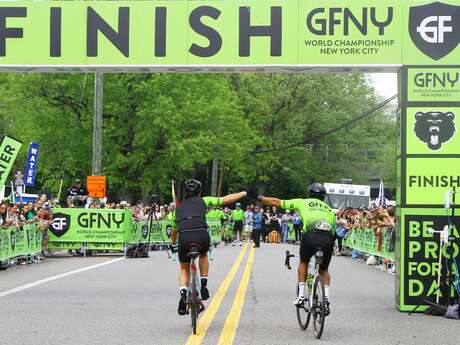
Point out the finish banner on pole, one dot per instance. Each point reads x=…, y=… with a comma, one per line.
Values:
x=9, y=149
x=31, y=165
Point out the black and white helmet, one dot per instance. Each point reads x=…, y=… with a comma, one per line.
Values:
x=192, y=188
x=316, y=191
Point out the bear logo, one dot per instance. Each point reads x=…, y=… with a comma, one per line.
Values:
x=434, y=127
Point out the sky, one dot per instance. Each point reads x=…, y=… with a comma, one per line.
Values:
x=386, y=84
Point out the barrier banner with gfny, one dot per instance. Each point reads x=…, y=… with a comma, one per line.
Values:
x=20, y=241
x=98, y=229
x=367, y=241
x=9, y=149
x=161, y=230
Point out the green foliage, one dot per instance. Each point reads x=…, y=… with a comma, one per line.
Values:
x=159, y=127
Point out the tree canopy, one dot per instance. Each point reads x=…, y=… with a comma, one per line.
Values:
x=158, y=127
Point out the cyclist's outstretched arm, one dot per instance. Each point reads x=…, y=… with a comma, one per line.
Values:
x=270, y=201
x=231, y=198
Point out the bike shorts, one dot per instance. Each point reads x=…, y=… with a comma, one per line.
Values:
x=311, y=241
x=188, y=238
x=238, y=226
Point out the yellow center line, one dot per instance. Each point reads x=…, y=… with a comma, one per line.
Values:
x=231, y=324
x=205, y=321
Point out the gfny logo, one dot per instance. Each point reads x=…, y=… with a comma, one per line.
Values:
x=435, y=28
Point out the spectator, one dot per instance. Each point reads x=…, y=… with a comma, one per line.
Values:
x=248, y=222
x=266, y=224
x=297, y=224
x=238, y=219
x=257, y=226
x=286, y=219
x=76, y=195
x=274, y=220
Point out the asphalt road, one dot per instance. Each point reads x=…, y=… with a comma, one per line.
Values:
x=108, y=300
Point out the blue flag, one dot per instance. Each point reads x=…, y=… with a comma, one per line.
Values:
x=31, y=165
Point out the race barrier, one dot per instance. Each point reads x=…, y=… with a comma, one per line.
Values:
x=366, y=241
x=161, y=231
x=106, y=229
x=20, y=241
x=94, y=229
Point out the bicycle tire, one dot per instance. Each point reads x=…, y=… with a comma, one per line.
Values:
x=193, y=301
x=303, y=313
x=318, y=306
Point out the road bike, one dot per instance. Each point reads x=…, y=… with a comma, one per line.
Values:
x=194, y=302
x=315, y=305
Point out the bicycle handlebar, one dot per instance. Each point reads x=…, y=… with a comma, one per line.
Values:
x=287, y=261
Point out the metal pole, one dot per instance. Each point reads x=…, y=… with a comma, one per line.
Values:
x=215, y=168
x=97, y=127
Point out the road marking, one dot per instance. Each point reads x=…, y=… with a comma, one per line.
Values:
x=205, y=321
x=231, y=324
x=59, y=276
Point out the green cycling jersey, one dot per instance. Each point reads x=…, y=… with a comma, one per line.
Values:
x=238, y=215
x=311, y=211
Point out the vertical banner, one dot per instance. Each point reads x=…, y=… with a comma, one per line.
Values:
x=31, y=165
x=428, y=165
x=9, y=149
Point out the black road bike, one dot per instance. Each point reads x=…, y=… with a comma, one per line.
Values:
x=315, y=305
x=194, y=302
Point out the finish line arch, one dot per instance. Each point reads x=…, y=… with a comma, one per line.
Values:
x=417, y=39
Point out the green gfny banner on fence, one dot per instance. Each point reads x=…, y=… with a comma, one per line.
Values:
x=367, y=241
x=102, y=229
x=20, y=241
x=161, y=231
x=173, y=35
x=9, y=149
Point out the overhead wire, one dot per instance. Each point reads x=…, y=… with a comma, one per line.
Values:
x=332, y=131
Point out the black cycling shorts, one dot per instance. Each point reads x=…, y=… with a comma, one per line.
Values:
x=238, y=226
x=314, y=239
x=188, y=238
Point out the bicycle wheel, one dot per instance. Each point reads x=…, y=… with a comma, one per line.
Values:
x=193, y=301
x=303, y=313
x=318, y=306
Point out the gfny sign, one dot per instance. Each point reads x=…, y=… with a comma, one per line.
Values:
x=272, y=32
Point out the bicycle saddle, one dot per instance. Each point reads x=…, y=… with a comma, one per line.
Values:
x=319, y=253
x=193, y=250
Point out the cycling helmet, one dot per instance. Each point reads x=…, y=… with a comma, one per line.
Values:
x=316, y=191
x=192, y=188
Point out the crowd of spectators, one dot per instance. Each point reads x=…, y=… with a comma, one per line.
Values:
x=380, y=219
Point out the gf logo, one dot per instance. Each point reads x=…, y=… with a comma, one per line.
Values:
x=59, y=223
x=434, y=34
x=435, y=28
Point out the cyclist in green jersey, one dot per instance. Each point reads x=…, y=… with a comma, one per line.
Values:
x=238, y=220
x=318, y=232
x=190, y=228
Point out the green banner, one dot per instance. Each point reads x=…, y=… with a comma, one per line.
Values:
x=99, y=228
x=161, y=231
x=20, y=241
x=367, y=241
x=9, y=149
x=197, y=35
x=420, y=252
x=433, y=85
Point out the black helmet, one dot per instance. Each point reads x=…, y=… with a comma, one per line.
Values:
x=316, y=191
x=192, y=188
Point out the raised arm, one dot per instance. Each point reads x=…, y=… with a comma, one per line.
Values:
x=231, y=198
x=269, y=201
